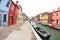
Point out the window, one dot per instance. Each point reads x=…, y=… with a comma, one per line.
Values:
x=0, y=1
x=8, y=4
x=52, y=14
x=11, y=18
x=56, y=14
x=12, y=7
x=4, y=18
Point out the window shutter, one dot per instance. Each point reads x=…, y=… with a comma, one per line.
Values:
x=8, y=4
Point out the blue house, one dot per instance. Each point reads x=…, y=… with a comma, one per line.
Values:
x=4, y=10
x=24, y=17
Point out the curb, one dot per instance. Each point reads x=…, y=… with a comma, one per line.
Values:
x=36, y=35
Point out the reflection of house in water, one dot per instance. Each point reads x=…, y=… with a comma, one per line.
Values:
x=4, y=10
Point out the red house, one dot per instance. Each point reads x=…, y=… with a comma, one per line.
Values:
x=12, y=16
x=56, y=19
x=39, y=18
x=50, y=19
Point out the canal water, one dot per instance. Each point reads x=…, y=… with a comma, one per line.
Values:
x=55, y=34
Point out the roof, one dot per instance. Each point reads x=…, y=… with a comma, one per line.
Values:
x=20, y=7
x=55, y=11
x=15, y=4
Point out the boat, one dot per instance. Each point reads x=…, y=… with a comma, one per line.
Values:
x=42, y=33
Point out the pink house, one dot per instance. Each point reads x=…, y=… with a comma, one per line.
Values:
x=56, y=19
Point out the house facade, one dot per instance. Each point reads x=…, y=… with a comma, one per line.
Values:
x=56, y=19
x=24, y=17
x=4, y=10
x=32, y=19
x=27, y=18
x=37, y=18
x=19, y=16
x=12, y=16
x=44, y=19
x=40, y=17
x=38, y=21
x=50, y=19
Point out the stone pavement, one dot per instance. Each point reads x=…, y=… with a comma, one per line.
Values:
x=25, y=33
x=5, y=31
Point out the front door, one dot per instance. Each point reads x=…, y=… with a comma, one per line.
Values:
x=57, y=21
x=11, y=19
x=5, y=20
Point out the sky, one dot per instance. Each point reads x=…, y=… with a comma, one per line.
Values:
x=35, y=7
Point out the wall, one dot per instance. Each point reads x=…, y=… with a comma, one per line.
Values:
x=5, y=10
x=44, y=19
x=55, y=17
x=19, y=19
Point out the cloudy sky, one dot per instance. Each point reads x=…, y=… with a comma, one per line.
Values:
x=34, y=7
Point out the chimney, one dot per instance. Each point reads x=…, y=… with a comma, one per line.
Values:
x=53, y=10
x=17, y=2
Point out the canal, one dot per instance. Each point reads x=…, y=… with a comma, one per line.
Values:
x=55, y=34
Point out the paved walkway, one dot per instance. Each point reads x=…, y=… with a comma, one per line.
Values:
x=24, y=33
x=4, y=32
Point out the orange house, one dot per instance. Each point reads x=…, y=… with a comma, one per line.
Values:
x=19, y=16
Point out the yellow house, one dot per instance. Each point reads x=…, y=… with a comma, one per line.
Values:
x=19, y=16
x=27, y=18
x=44, y=19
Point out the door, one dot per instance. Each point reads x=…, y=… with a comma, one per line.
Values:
x=57, y=21
x=5, y=20
x=11, y=19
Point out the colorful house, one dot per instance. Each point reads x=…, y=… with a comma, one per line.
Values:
x=44, y=19
x=56, y=19
x=37, y=18
x=19, y=16
x=24, y=17
x=50, y=19
x=27, y=18
x=12, y=16
x=40, y=17
x=4, y=10
x=32, y=19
